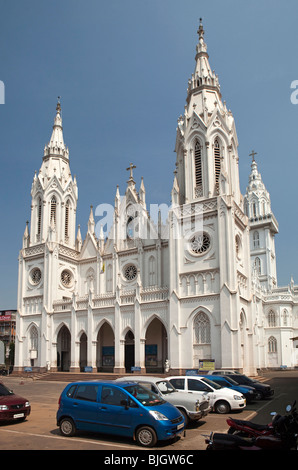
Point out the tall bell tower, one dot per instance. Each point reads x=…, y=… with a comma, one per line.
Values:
x=54, y=193
x=47, y=267
x=209, y=241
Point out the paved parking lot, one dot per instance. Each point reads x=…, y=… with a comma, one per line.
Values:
x=40, y=432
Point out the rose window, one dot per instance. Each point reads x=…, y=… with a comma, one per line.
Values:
x=200, y=243
x=66, y=278
x=35, y=276
x=130, y=272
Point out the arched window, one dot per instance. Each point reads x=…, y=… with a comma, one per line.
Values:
x=109, y=278
x=66, y=232
x=256, y=239
x=216, y=161
x=254, y=209
x=271, y=318
x=33, y=339
x=152, y=271
x=272, y=345
x=202, y=334
x=257, y=265
x=285, y=317
x=39, y=208
x=198, y=169
x=53, y=210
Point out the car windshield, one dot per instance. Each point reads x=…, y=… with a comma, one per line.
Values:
x=165, y=387
x=5, y=391
x=211, y=383
x=231, y=381
x=144, y=396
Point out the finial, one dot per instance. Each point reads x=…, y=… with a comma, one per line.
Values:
x=201, y=47
x=58, y=107
x=201, y=29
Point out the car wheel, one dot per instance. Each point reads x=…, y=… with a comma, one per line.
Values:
x=222, y=407
x=186, y=418
x=146, y=436
x=67, y=427
x=259, y=396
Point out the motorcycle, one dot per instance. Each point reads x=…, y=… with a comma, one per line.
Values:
x=249, y=429
x=283, y=437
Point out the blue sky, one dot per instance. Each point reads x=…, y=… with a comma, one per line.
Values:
x=121, y=68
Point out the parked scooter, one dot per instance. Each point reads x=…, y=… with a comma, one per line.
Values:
x=283, y=437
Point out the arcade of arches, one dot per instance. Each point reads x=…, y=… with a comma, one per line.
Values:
x=155, y=344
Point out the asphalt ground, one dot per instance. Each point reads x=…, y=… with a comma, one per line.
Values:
x=39, y=432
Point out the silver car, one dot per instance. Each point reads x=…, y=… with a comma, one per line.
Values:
x=193, y=406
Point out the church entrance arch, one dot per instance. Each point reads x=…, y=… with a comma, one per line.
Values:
x=63, y=349
x=129, y=361
x=156, y=347
x=105, y=352
x=83, y=351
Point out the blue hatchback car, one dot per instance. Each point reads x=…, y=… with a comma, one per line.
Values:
x=119, y=408
x=227, y=381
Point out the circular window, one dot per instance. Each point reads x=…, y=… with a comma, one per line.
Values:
x=130, y=272
x=200, y=243
x=35, y=276
x=66, y=278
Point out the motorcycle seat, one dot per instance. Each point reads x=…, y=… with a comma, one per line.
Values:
x=258, y=427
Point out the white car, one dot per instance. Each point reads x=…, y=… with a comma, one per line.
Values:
x=192, y=406
x=222, y=372
x=222, y=399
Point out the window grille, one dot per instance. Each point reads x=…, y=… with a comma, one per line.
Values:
x=39, y=219
x=216, y=161
x=33, y=338
x=67, y=222
x=271, y=318
x=53, y=210
x=202, y=334
x=152, y=276
x=198, y=164
x=258, y=265
x=272, y=345
x=256, y=240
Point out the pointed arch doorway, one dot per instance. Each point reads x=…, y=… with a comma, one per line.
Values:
x=63, y=349
x=83, y=351
x=105, y=352
x=156, y=347
x=129, y=361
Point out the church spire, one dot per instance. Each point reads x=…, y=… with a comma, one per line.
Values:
x=56, y=145
x=203, y=77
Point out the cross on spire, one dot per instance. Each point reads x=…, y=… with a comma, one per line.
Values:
x=252, y=154
x=131, y=167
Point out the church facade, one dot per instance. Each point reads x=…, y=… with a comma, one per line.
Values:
x=158, y=295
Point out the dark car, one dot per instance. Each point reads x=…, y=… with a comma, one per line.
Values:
x=12, y=407
x=227, y=381
x=262, y=390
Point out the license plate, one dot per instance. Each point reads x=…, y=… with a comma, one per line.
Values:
x=180, y=426
x=19, y=415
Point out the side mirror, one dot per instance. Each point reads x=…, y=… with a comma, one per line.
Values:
x=124, y=403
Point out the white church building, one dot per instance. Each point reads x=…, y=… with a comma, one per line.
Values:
x=200, y=287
